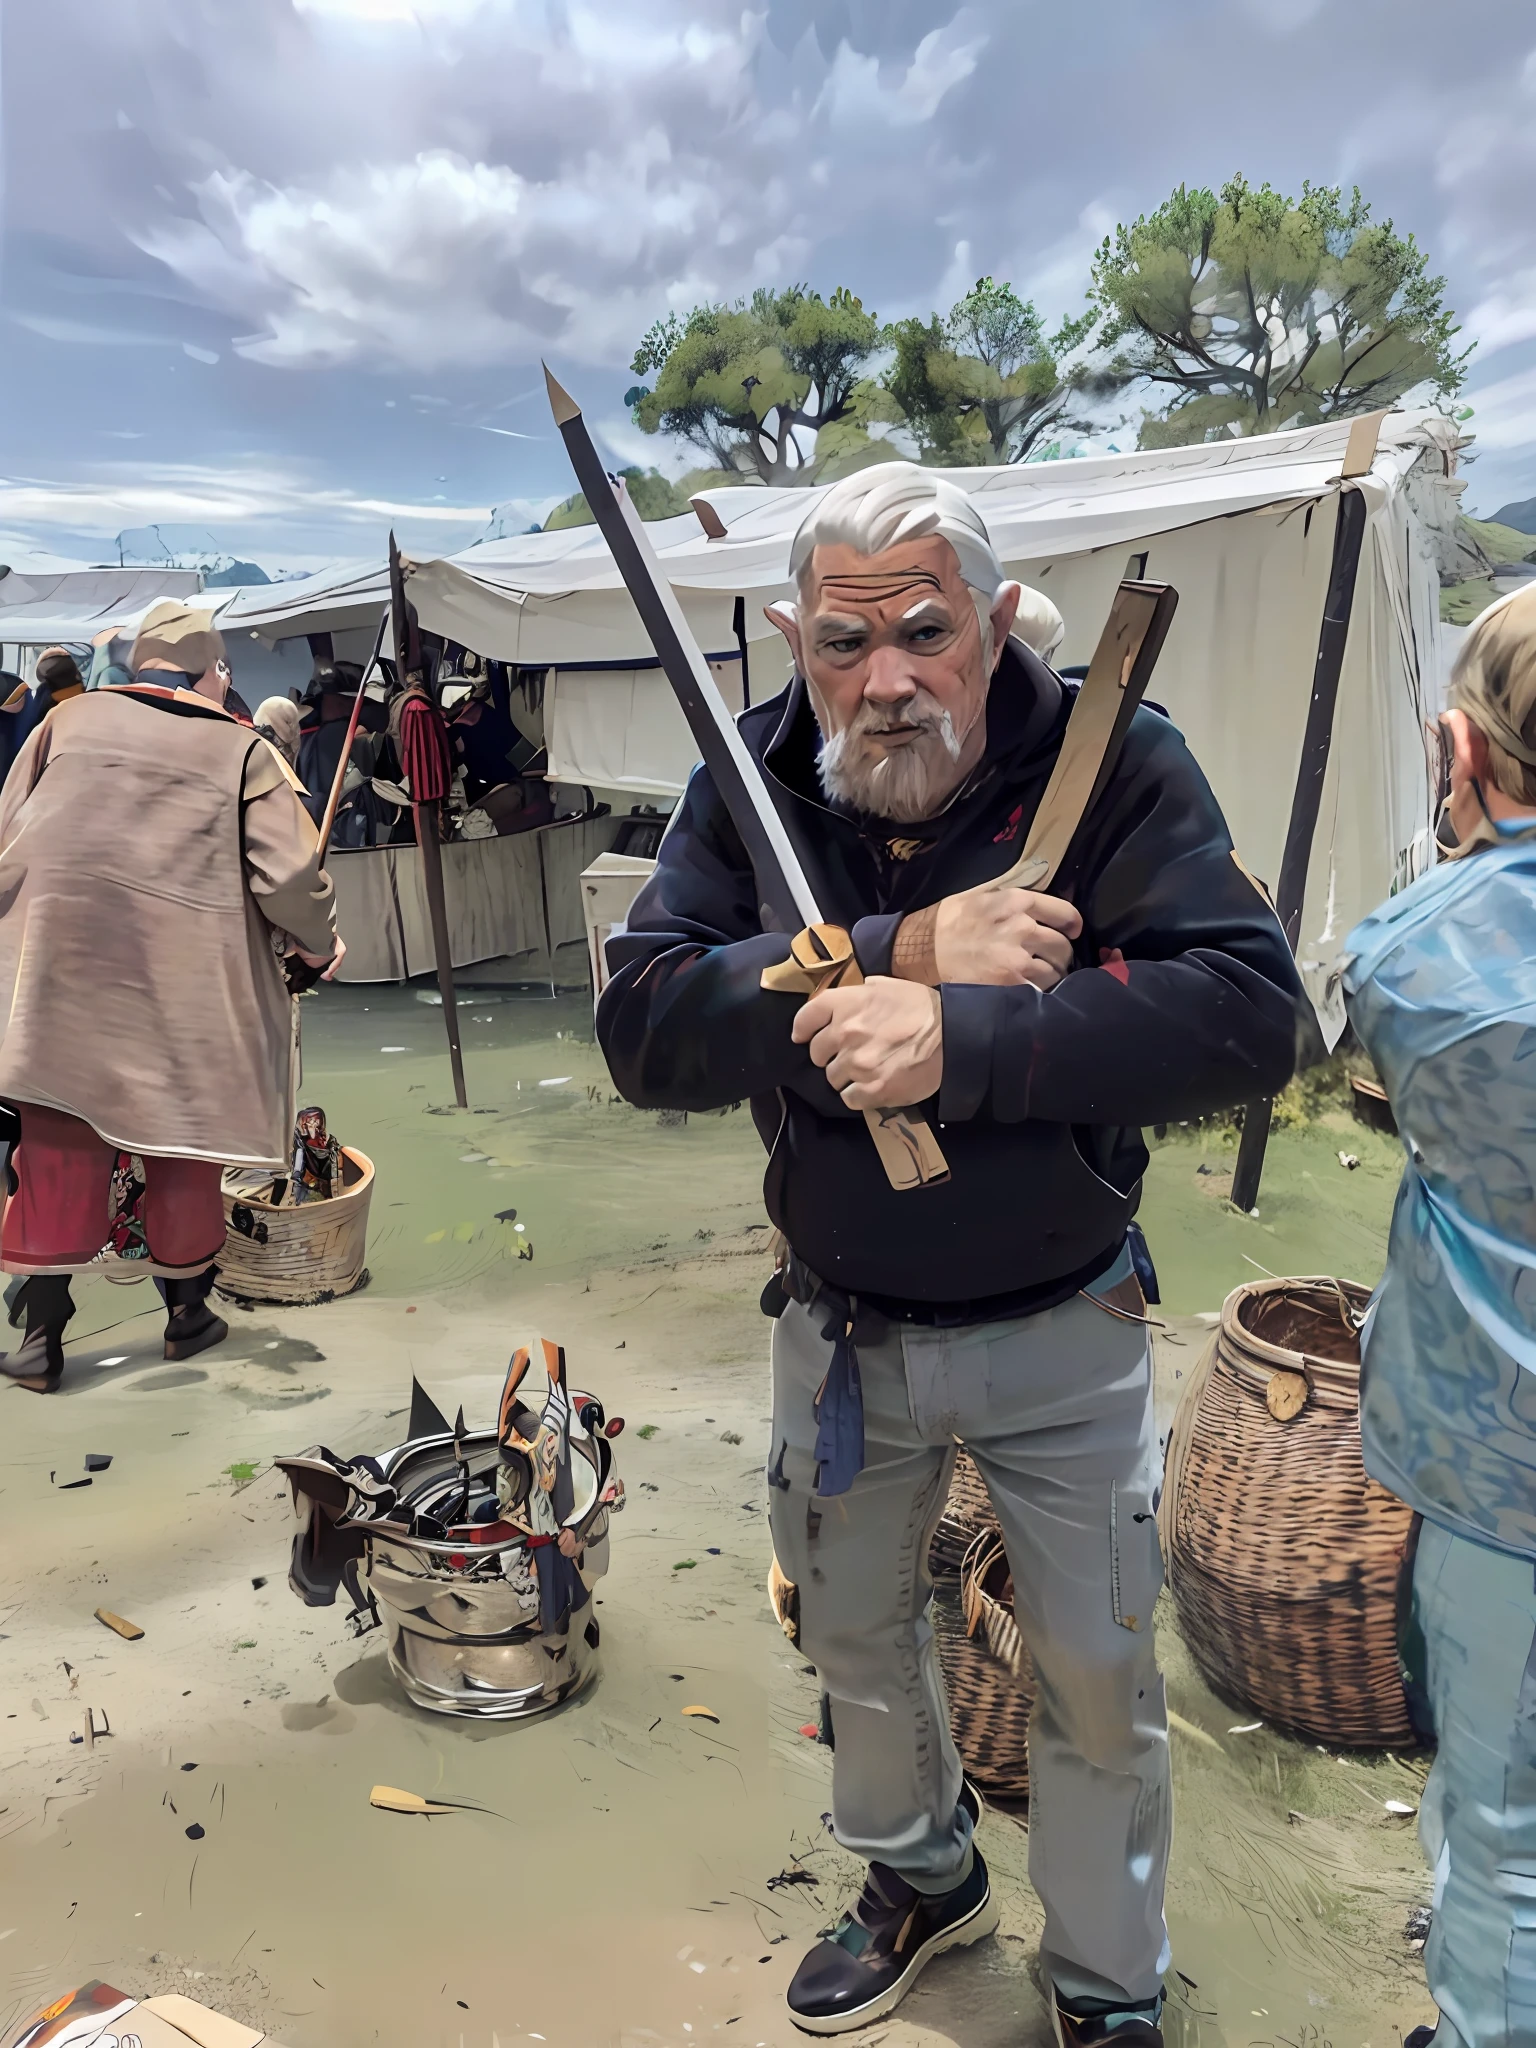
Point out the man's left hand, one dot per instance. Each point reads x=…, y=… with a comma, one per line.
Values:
x=881, y=1045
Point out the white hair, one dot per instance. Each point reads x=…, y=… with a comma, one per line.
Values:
x=895, y=501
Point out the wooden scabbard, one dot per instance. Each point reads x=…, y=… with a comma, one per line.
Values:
x=1116, y=681
x=821, y=957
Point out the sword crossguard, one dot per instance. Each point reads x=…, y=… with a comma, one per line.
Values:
x=821, y=956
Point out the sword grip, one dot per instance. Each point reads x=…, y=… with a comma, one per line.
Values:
x=822, y=957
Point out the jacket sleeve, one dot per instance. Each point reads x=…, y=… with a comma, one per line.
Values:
x=282, y=856
x=1187, y=1000
x=683, y=1023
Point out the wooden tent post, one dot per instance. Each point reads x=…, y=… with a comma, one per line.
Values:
x=1348, y=534
x=410, y=671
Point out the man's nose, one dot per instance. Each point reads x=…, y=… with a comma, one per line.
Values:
x=888, y=677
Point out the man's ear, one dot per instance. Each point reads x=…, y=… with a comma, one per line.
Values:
x=785, y=615
x=1005, y=609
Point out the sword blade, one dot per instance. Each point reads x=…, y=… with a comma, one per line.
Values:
x=789, y=902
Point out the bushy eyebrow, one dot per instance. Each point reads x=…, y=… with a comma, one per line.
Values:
x=829, y=626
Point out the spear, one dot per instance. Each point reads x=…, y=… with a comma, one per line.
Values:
x=409, y=668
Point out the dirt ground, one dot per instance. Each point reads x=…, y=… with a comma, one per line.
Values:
x=618, y=1886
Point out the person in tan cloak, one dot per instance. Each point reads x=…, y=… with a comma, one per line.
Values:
x=157, y=868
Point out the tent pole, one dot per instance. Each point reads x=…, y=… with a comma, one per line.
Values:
x=549, y=937
x=739, y=628
x=1348, y=534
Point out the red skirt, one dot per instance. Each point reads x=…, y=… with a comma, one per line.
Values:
x=59, y=1217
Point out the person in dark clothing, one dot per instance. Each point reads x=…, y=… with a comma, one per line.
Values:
x=22, y=710
x=332, y=689
x=1002, y=1309
x=361, y=817
x=58, y=678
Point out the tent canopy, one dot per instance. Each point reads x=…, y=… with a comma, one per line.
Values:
x=53, y=602
x=547, y=599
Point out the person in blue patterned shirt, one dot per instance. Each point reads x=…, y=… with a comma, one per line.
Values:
x=1441, y=988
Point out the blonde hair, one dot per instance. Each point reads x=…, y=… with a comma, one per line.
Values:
x=1494, y=683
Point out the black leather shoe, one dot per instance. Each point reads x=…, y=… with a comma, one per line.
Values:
x=1420, y=2037
x=38, y=1365
x=1134, y=2026
x=863, y=1967
x=193, y=1329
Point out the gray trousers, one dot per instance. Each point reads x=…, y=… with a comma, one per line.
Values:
x=1056, y=1409
x=1477, y=1608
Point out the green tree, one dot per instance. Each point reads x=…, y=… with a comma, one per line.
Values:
x=652, y=495
x=751, y=384
x=984, y=384
x=1255, y=312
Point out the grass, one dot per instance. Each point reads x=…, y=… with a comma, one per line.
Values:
x=1460, y=603
x=1316, y=1215
x=1500, y=543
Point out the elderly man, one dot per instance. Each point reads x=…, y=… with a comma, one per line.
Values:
x=156, y=865
x=1001, y=1309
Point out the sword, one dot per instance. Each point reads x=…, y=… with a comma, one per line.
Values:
x=822, y=953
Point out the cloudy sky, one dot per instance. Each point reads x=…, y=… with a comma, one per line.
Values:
x=281, y=271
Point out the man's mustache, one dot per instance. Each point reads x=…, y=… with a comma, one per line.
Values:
x=871, y=722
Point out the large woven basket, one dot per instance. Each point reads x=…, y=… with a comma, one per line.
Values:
x=295, y=1255
x=967, y=1512
x=987, y=1670
x=1283, y=1556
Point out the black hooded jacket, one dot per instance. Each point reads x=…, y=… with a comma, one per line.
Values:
x=1184, y=999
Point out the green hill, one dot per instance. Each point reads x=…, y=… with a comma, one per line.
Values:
x=1501, y=543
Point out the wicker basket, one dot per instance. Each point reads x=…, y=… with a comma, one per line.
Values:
x=1283, y=1556
x=967, y=1511
x=295, y=1256
x=987, y=1670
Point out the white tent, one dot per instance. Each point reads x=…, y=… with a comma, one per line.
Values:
x=1244, y=529
x=48, y=601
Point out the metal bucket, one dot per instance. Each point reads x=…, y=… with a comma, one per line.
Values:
x=461, y=1618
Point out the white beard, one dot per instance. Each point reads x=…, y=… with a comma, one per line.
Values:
x=906, y=784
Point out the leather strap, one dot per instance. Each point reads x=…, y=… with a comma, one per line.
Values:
x=914, y=955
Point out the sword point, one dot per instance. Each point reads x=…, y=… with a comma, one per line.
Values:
x=561, y=403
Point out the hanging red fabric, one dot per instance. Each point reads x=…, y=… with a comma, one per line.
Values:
x=424, y=756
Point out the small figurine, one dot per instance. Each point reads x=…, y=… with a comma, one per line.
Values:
x=316, y=1158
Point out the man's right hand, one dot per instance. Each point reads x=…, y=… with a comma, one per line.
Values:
x=314, y=966
x=1005, y=937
